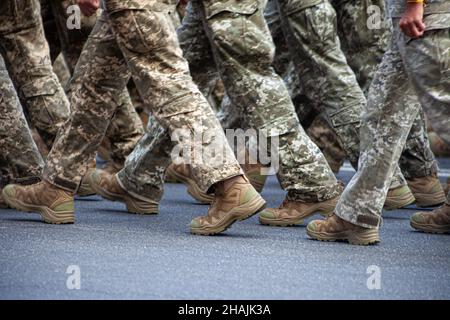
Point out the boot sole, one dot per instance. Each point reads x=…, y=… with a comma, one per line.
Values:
x=430, y=200
x=296, y=220
x=132, y=205
x=192, y=188
x=47, y=214
x=239, y=213
x=399, y=202
x=369, y=237
x=430, y=228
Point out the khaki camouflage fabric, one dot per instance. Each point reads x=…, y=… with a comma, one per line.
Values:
x=26, y=54
x=323, y=59
x=424, y=62
x=126, y=127
x=364, y=30
x=135, y=38
x=20, y=160
x=230, y=40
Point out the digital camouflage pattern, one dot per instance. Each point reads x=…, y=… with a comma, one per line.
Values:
x=20, y=160
x=386, y=123
x=134, y=38
x=26, y=54
x=234, y=37
x=364, y=30
x=126, y=127
x=363, y=48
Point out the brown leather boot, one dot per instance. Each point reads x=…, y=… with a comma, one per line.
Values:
x=292, y=213
x=55, y=205
x=85, y=189
x=436, y=221
x=183, y=173
x=427, y=191
x=398, y=198
x=336, y=229
x=234, y=200
x=107, y=186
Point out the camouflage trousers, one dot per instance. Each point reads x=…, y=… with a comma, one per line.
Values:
x=126, y=128
x=26, y=54
x=364, y=39
x=322, y=62
x=230, y=40
x=386, y=123
x=20, y=161
x=134, y=38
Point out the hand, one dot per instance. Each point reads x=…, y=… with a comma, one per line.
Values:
x=88, y=7
x=412, y=21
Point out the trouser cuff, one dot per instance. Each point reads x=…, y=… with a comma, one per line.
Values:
x=62, y=183
x=368, y=221
x=323, y=194
x=139, y=190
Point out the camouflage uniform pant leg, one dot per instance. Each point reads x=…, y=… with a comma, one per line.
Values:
x=162, y=77
x=101, y=73
x=26, y=54
x=311, y=34
x=126, y=128
x=385, y=127
x=124, y=131
x=144, y=169
x=365, y=30
x=243, y=51
x=427, y=61
x=20, y=160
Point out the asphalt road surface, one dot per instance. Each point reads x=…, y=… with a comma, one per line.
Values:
x=116, y=255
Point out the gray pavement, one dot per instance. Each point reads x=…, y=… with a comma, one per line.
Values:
x=125, y=256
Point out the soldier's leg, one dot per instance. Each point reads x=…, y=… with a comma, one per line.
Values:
x=243, y=51
x=20, y=160
x=385, y=127
x=162, y=77
x=101, y=73
x=26, y=54
x=311, y=34
x=365, y=29
x=125, y=129
x=427, y=61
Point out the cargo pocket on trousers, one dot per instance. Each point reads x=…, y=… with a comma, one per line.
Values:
x=237, y=28
x=142, y=30
x=37, y=109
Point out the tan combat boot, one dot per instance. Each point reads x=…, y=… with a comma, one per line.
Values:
x=292, y=213
x=55, y=205
x=107, y=186
x=183, y=173
x=336, y=229
x=85, y=189
x=427, y=191
x=398, y=198
x=234, y=200
x=436, y=221
x=253, y=173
